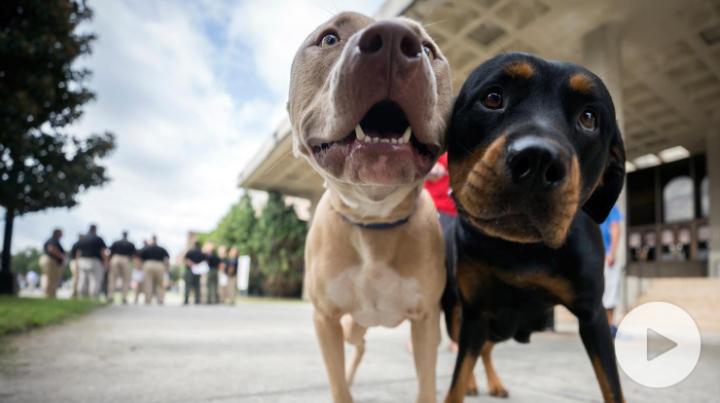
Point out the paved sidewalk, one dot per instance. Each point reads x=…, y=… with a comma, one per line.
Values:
x=266, y=352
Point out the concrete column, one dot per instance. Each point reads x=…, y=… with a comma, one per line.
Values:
x=602, y=56
x=713, y=172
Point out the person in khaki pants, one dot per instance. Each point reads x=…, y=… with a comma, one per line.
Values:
x=91, y=262
x=121, y=253
x=74, y=266
x=155, y=262
x=51, y=263
x=231, y=270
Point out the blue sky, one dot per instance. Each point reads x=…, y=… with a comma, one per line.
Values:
x=191, y=88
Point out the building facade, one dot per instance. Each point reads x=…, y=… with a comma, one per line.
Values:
x=661, y=61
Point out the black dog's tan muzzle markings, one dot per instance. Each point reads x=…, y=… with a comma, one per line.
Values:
x=490, y=178
x=536, y=161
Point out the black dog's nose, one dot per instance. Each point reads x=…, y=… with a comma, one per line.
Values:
x=391, y=37
x=536, y=164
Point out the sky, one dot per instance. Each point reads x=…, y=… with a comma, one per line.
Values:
x=191, y=89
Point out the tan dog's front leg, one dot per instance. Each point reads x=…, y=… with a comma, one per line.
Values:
x=330, y=336
x=425, y=340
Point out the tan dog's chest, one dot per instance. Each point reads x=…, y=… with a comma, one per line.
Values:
x=380, y=277
x=376, y=295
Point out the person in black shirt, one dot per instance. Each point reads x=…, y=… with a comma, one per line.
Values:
x=193, y=257
x=121, y=253
x=51, y=263
x=92, y=260
x=74, y=267
x=231, y=270
x=213, y=262
x=155, y=263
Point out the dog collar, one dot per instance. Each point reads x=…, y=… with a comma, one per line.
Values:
x=379, y=225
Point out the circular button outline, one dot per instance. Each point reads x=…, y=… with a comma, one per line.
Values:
x=668, y=368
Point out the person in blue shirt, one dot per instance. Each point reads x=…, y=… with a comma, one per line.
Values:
x=610, y=230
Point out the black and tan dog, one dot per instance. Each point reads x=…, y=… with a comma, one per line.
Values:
x=536, y=161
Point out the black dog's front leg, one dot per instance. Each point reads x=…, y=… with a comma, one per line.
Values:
x=595, y=334
x=473, y=333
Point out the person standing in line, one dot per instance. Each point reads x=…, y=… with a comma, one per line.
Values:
x=138, y=274
x=437, y=183
x=213, y=262
x=155, y=262
x=121, y=254
x=222, y=276
x=231, y=270
x=610, y=230
x=51, y=263
x=74, y=273
x=31, y=280
x=193, y=257
x=92, y=260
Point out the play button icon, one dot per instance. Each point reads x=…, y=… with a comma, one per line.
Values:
x=657, y=344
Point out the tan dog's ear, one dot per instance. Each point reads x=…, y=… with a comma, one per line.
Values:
x=296, y=146
x=605, y=195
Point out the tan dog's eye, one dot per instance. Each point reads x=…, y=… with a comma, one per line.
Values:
x=588, y=120
x=428, y=51
x=493, y=100
x=328, y=40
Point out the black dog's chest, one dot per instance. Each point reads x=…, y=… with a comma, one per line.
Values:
x=515, y=303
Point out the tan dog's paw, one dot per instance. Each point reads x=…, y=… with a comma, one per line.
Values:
x=472, y=391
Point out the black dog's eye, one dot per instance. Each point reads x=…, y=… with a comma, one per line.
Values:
x=588, y=120
x=329, y=39
x=493, y=100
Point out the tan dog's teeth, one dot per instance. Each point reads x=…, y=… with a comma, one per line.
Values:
x=359, y=133
x=393, y=141
x=384, y=140
x=406, y=136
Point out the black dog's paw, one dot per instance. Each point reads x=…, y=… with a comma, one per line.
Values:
x=499, y=391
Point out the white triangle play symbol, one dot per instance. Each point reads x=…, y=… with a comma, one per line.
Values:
x=657, y=344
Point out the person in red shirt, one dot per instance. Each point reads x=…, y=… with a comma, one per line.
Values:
x=438, y=185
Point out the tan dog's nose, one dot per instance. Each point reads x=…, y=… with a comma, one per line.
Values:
x=391, y=41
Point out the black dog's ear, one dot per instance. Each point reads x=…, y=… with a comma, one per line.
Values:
x=605, y=195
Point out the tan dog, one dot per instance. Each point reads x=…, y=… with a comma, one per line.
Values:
x=369, y=103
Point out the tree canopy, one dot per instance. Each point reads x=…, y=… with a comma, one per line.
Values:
x=275, y=241
x=43, y=88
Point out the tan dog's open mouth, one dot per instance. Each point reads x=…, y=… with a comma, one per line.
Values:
x=382, y=147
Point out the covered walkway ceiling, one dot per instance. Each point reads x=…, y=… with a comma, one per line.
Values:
x=670, y=56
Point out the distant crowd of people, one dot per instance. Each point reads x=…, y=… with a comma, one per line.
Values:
x=212, y=262
x=96, y=269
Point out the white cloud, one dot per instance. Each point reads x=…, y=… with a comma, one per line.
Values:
x=167, y=86
x=277, y=28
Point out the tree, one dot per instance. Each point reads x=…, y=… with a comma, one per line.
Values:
x=42, y=91
x=275, y=241
x=279, y=242
x=26, y=260
x=236, y=227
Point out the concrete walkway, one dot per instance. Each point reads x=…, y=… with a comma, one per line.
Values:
x=266, y=352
